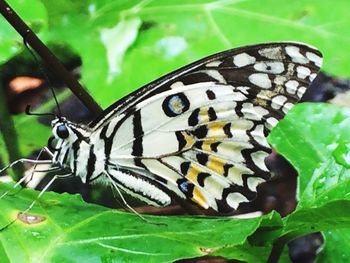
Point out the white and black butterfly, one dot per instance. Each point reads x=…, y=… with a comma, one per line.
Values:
x=198, y=133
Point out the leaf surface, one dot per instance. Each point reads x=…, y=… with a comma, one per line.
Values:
x=74, y=230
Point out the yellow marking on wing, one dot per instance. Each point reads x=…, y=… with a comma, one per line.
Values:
x=216, y=164
x=216, y=125
x=192, y=173
x=189, y=140
x=203, y=115
x=259, y=101
x=216, y=129
x=266, y=94
x=206, y=146
x=203, y=112
x=199, y=198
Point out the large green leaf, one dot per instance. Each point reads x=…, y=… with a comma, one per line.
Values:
x=315, y=138
x=34, y=13
x=336, y=247
x=174, y=33
x=71, y=230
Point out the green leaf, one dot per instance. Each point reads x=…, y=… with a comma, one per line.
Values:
x=310, y=137
x=336, y=248
x=117, y=40
x=250, y=253
x=333, y=215
x=258, y=246
x=200, y=28
x=315, y=138
x=246, y=253
x=71, y=229
x=34, y=13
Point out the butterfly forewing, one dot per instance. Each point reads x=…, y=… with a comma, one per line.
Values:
x=200, y=132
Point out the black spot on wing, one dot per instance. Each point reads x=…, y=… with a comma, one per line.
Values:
x=194, y=118
x=201, y=177
x=184, y=167
x=210, y=94
x=238, y=109
x=186, y=187
x=214, y=146
x=76, y=148
x=212, y=114
x=137, y=147
x=227, y=130
x=227, y=168
x=202, y=158
x=91, y=164
x=201, y=132
x=198, y=144
x=181, y=140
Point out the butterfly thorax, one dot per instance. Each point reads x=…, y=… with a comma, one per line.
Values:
x=74, y=149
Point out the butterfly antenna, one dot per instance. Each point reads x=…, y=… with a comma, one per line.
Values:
x=42, y=70
x=28, y=112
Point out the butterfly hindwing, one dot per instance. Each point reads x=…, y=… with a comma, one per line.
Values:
x=201, y=131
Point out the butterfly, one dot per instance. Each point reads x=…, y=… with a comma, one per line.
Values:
x=197, y=134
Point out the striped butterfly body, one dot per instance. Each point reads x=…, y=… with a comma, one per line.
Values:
x=198, y=133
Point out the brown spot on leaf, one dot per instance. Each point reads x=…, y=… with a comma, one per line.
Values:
x=30, y=219
x=207, y=250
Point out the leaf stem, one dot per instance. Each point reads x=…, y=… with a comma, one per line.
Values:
x=31, y=38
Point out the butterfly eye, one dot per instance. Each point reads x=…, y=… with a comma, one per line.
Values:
x=62, y=131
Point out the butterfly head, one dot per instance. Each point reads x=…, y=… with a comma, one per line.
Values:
x=61, y=129
x=66, y=132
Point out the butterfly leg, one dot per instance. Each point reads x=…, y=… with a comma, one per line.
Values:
x=24, y=160
x=38, y=197
x=29, y=176
x=36, y=161
x=46, y=187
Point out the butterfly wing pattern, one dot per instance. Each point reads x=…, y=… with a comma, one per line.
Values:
x=199, y=133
